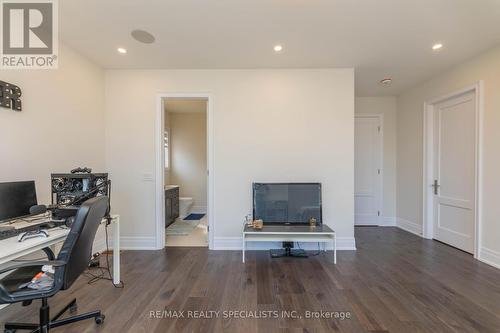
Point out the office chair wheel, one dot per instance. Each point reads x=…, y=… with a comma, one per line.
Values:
x=100, y=319
x=73, y=308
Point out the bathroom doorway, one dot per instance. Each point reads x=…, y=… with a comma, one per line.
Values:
x=185, y=167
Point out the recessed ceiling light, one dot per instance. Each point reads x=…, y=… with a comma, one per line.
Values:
x=387, y=81
x=437, y=46
x=278, y=48
x=143, y=36
x=121, y=50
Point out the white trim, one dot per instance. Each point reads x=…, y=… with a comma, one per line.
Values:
x=198, y=210
x=235, y=244
x=227, y=243
x=138, y=243
x=346, y=243
x=428, y=140
x=489, y=257
x=388, y=221
x=160, y=172
x=409, y=226
x=380, y=117
x=100, y=243
x=160, y=175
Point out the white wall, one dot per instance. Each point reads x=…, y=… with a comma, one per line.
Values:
x=410, y=148
x=281, y=125
x=61, y=125
x=385, y=106
x=188, y=146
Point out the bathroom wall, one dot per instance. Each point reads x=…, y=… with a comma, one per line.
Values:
x=188, y=153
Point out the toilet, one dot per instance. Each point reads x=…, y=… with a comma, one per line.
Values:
x=185, y=204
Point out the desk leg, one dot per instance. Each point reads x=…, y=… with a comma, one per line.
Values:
x=243, y=249
x=334, y=249
x=116, y=251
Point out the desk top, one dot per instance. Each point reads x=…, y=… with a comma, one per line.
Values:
x=11, y=249
x=280, y=229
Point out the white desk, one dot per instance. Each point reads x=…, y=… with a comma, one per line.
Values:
x=11, y=249
x=289, y=233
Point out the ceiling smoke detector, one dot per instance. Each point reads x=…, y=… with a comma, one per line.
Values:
x=385, y=82
x=142, y=36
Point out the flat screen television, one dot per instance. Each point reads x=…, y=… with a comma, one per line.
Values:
x=16, y=198
x=287, y=203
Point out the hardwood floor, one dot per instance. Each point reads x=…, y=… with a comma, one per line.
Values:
x=395, y=282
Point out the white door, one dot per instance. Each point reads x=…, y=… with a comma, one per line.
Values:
x=367, y=170
x=454, y=171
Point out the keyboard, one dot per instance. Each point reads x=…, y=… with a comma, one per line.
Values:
x=17, y=227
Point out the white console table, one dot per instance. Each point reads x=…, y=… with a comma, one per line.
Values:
x=290, y=233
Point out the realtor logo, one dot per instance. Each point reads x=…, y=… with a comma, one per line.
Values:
x=29, y=34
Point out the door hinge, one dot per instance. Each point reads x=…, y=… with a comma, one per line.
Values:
x=378, y=171
x=378, y=128
x=378, y=213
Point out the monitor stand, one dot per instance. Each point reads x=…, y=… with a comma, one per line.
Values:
x=288, y=251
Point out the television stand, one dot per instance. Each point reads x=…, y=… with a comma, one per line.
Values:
x=290, y=233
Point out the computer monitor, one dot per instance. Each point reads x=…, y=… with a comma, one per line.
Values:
x=16, y=198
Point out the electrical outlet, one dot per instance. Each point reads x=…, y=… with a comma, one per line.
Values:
x=147, y=177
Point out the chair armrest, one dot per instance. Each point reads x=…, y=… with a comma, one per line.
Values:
x=32, y=263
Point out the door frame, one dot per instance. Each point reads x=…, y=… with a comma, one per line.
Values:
x=428, y=161
x=160, y=165
x=380, y=117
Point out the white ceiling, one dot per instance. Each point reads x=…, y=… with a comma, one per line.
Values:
x=380, y=38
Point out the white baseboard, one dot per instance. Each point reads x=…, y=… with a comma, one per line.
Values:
x=227, y=243
x=100, y=240
x=99, y=245
x=235, y=243
x=199, y=209
x=489, y=257
x=137, y=243
x=346, y=244
x=409, y=226
x=387, y=221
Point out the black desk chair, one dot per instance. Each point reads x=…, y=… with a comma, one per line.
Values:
x=71, y=261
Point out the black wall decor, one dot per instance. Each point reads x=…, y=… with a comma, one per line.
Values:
x=10, y=96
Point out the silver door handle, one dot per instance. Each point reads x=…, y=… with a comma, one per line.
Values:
x=435, y=185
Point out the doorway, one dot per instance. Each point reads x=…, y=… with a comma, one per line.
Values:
x=451, y=180
x=184, y=158
x=368, y=157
